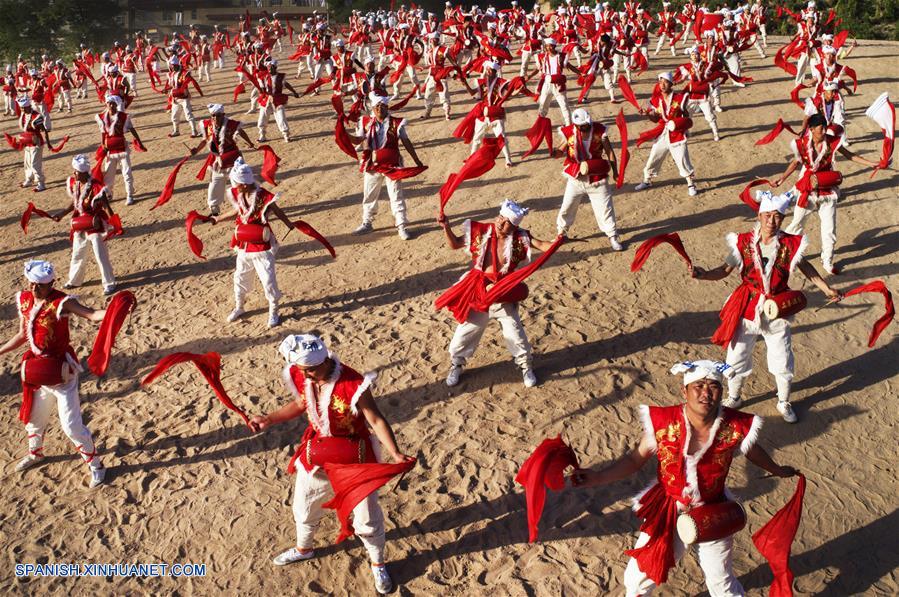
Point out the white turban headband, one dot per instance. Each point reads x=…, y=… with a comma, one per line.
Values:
x=305, y=350
x=110, y=98
x=768, y=201
x=241, y=173
x=580, y=117
x=513, y=212
x=376, y=99
x=80, y=163
x=39, y=272
x=23, y=102
x=215, y=109
x=831, y=86
x=666, y=75
x=704, y=369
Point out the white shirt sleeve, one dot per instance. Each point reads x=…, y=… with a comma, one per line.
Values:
x=401, y=130
x=810, y=109
x=794, y=145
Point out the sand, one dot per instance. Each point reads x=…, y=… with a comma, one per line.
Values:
x=189, y=483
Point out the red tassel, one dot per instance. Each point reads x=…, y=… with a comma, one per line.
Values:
x=13, y=142
x=627, y=92
x=542, y=130
x=30, y=211
x=121, y=304
x=342, y=138
x=588, y=83
x=851, y=74
x=196, y=245
x=239, y=90
x=169, y=187
x=475, y=165
x=209, y=365
x=746, y=197
x=625, y=154
x=651, y=135
x=337, y=104
x=309, y=231
x=781, y=61
x=646, y=247
x=543, y=469
x=270, y=163
x=840, y=38
x=353, y=483
x=890, y=310
x=775, y=539
x=731, y=314
x=115, y=224
x=779, y=127
x=59, y=147
x=794, y=97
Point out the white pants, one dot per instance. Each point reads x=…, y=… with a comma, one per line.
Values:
x=65, y=100
x=80, y=241
x=183, y=105
x=779, y=344
x=678, y=152
x=662, y=39
x=600, y=197
x=431, y=91
x=263, y=262
x=33, y=160
x=715, y=559
x=69, y=407
x=203, y=72
x=327, y=65
x=764, y=33
x=219, y=63
x=468, y=335
x=312, y=490
x=616, y=64
x=371, y=191
x=705, y=107
x=215, y=192
x=482, y=126
x=525, y=57
x=732, y=61
x=561, y=100
x=801, y=65
x=827, y=213
x=9, y=104
x=413, y=78
x=116, y=161
x=606, y=82
x=132, y=83
x=280, y=120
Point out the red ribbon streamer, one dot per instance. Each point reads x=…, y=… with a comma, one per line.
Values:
x=121, y=304
x=890, y=310
x=169, y=187
x=544, y=469
x=116, y=229
x=646, y=247
x=59, y=147
x=627, y=92
x=775, y=539
x=475, y=165
x=777, y=130
x=30, y=211
x=342, y=138
x=746, y=196
x=311, y=232
x=542, y=130
x=625, y=154
x=196, y=245
x=209, y=365
x=270, y=163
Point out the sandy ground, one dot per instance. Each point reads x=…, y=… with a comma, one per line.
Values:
x=189, y=483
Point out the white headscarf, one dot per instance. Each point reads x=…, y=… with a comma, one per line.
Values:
x=39, y=272
x=241, y=173
x=768, y=201
x=80, y=163
x=704, y=369
x=305, y=350
x=513, y=212
x=111, y=98
x=215, y=109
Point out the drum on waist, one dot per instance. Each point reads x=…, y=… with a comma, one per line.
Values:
x=83, y=223
x=45, y=371
x=710, y=522
x=338, y=450
x=253, y=233
x=784, y=304
x=598, y=167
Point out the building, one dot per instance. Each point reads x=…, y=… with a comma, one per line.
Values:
x=159, y=18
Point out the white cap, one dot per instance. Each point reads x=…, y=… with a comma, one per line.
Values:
x=704, y=369
x=580, y=117
x=305, y=350
x=666, y=75
x=377, y=99
x=831, y=85
x=494, y=65
x=114, y=99
x=215, y=109
x=513, y=212
x=80, y=163
x=23, y=102
x=39, y=272
x=768, y=201
x=241, y=173
x=828, y=50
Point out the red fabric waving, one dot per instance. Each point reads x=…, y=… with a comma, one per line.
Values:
x=352, y=483
x=627, y=92
x=775, y=539
x=270, y=161
x=777, y=130
x=241, y=88
x=138, y=146
x=311, y=232
x=625, y=154
x=402, y=103
x=59, y=146
x=513, y=279
x=315, y=85
x=13, y=142
x=475, y=165
x=169, y=187
x=651, y=134
x=646, y=247
x=115, y=227
x=890, y=310
x=731, y=315
x=465, y=129
x=585, y=86
x=656, y=557
x=31, y=210
x=342, y=138
x=794, y=97
x=746, y=196
x=542, y=130
x=394, y=173
x=544, y=469
x=196, y=245
x=209, y=365
x=121, y=304
x=337, y=104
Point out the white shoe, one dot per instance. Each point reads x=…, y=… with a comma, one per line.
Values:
x=403, y=233
x=530, y=380
x=642, y=186
x=383, y=582
x=786, y=411
x=452, y=378
x=30, y=461
x=718, y=109
x=273, y=319
x=691, y=190
x=129, y=201
x=716, y=137
x=98, y=475
x=616, y=244
x=731, y=402
x=363, y=228
x=235, y=315
x=292, y=555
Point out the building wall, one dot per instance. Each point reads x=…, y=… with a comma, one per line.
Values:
x=166, y=17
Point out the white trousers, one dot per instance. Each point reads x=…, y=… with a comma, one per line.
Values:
x=280, y=119
x=617, y=64
x=184, y=106
x=327, y=65
x=732, y=61
x=561, y=100
x=218, y=182
x=312, y=490
x=801, y=65
x=679, y=154
x=704, y=106
x=600, y=197
x=715, y=559
x=33, y=161
x=119, y=161
x=525, y=57
x=132, y=83
x=65, y=100
x=827, y=213
x=431, y=91
x=468, y=335
x=80, y=241
x=662, y=39
x=263, y=263
x=779, y=345
x=413, y=78
x=371, y=191
x=482, y=126
x=65, y=396
x=9, y=104
x=219, y=63
x=203, y=72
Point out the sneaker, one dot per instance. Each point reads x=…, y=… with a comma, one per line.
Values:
x=530, y=380
x=383, y=582
x=643, y=186
x=173, y=135
x=98, y=475
x=716, y=137
x=235, y=315
x=292, y=555
x=273, y=319
x=731, y=402
x=719, y=109
x=30, y=461
x=109, y=290
x=616, y=244
x=452, y=378
x=403, y=233
x=39, y=188
x=691, y=190
x=129, y=201
x=363, y=228
x=786, y=411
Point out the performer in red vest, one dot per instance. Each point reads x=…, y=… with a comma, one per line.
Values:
x=178, y=84
x=552, y=66
x=343, y=417
x=32, y=138
x=695, y=443
x=493, y=118
x=274, y=85
x=114, y=123
x=496, y=248
x=440, y=68
x=588, y=160
x=699, y=76
x=50, y=367
x=765, y=258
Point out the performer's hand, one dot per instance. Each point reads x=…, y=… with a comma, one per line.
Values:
x=259, y=423
x=776, y=183
x=697, y=272
x=584, y=477
x=442, y=220
x=399, y=458
x=833, y=294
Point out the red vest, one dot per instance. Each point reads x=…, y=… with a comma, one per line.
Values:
x=483, y=243
x=252, y=214
x=113, y=131
x=47, y=330
x=752, y=270
x=222, y=144
x=575, y=154
x=673, y=110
